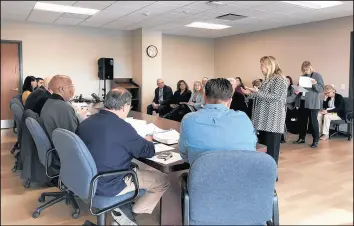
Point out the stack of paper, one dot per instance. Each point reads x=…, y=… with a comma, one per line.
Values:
x=162, y=147
x=175, y=157
x=168, y=137
x=142, y=128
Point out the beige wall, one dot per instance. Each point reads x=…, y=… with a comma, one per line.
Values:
x=186, y=58
x=73, y=51
x=326, y=44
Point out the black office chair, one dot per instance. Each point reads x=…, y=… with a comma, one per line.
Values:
x=347, y=120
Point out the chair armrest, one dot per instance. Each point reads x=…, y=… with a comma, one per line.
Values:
x=349, y=116
x=107, y=174
x=185, y=199
x=46, y=164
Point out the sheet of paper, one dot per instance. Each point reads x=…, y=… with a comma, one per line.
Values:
x=305, y=82
x=299, y=89
x=169, y=137
x=152, y=129
x=175, y=157
x=162, y=147
x=138, y=125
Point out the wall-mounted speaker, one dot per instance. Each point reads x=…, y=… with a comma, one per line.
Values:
x=105, y=68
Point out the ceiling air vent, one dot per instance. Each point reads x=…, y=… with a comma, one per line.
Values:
x=230, y=17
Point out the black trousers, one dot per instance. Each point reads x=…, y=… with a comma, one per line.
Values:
x=304, y=115
x=162, y=110
x=272, y=141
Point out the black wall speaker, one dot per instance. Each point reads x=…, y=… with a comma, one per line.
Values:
x=105, y=68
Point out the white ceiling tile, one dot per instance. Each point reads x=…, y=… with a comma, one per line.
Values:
x=189, y=11
x=173, y=15
x=169, y=26
x=158, y=8
x=43, y=16
x=94, y=4
x=131, y=4
x=203, y=5
x=61, y=2
x=74, y=15
x=211, y=14
x=68, y=21
x=19, y=8
x=249, y=4
x=177, y=3
x=12, y=16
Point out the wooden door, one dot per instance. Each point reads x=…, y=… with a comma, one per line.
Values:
x=10, y=76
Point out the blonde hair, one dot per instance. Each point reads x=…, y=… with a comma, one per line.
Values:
x=329, y=88
x=272, y=65
x=305, y=65
x=201, y=87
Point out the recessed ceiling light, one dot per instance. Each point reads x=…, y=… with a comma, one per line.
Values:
x=207, y=25
x=315, y=4
x=64, y=8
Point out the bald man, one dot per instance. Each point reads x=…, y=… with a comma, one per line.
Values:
x=56, y=112
x=37, y=98
x=163, y=94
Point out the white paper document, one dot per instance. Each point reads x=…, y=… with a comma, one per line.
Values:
x=169, y=137
x=175, y=157
x=142, y=128
x=299, y=89
x=305, y=82
x=162, y=147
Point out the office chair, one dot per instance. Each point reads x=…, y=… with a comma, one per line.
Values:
x=45, y=154
x=230, y=188
x=347, y=120
x=78, y=173
x=16, y=108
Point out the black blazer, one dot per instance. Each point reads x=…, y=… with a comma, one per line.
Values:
x=339, y=105
x=167, y=94
x=238, y=102
x=178, y=98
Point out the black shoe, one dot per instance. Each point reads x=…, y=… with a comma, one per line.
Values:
x=283, y=141
x=314, y=145
x=299, y=141
x=124, y=215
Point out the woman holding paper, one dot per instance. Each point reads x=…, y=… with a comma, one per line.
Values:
x=268, y=115
x=310, y=103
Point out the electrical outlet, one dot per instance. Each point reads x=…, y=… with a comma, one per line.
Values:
x=342, y=86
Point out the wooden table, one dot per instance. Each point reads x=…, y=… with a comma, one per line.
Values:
x=171, y=212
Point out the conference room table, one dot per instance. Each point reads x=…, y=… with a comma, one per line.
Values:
x=170, y=203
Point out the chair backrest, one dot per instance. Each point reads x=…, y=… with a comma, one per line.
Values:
x=231, y=188
x=40, y=139
x=77, y=165
x=16, y=108
x=348, y=104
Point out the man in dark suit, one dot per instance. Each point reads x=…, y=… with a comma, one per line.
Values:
x=333, y=109
x=37, y=98
x=163, y=94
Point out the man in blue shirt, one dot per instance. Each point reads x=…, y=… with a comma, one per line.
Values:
x=216, y=127
x=113, y=144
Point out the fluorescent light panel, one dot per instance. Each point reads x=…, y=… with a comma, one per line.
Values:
x=207, y=25
x=64, y=8
x=315, y=4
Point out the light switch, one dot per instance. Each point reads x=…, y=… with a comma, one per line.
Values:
x=342, y=86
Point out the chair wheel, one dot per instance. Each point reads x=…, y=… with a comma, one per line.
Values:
x=27, y=184
x=13, y=150
x=14, y=169
x=41, y=199
x=35, y=214
x=349, y=138
x=76, y=215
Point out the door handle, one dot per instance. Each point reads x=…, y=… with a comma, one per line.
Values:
x=16, y=89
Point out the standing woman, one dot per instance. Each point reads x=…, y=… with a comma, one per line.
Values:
x=310, y=105
x=268, y=115
x=29, y=85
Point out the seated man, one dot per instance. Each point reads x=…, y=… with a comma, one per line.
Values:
x=163, y=94
x=37, y=98
x=57, y=112
x=333, y=109
x=40, y=82
x=113, y=144
x=216, y=127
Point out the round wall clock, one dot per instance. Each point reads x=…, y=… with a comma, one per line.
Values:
x=151, y=51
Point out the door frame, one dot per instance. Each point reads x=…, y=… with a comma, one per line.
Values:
x=9, y=123
x=19, y=43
